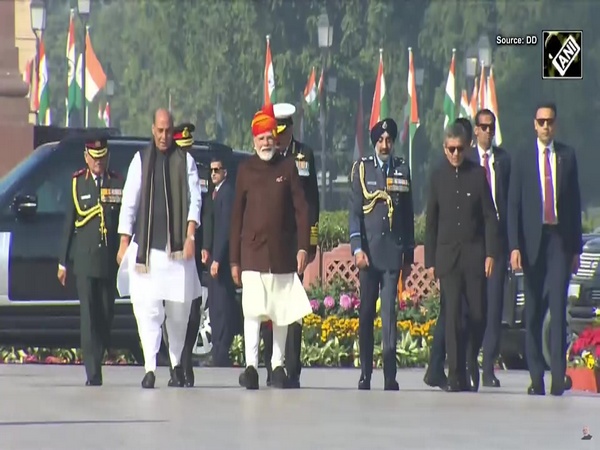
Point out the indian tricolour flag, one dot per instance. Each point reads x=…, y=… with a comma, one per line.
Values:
x=414, y=107
x=450, y=96
x=492, y=104
x=269, y=76
x=481, y=104
x=73, y=100
x=465, y=106
x=43, y=91
x=380, y=109
x=95, y=78
x=310, y=91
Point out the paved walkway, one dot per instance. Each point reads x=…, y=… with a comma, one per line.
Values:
x=47, y=408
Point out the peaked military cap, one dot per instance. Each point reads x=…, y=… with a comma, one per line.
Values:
x=284, y=113
x=385, y=125
x=182, y=134
x=96, y=143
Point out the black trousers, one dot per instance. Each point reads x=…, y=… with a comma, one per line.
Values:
x=293, y=348
x=495, y=304
x=546, y=286
x=224, y=316
x=371, y=282
x=459, y=285
x=97, y=301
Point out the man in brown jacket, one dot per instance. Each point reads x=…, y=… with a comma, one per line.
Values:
x=270, y=214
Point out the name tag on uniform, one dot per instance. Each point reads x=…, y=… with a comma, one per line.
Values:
x=203, y=185
x=86, y=197
x=108, y=195
x=303, y=169
x=397, y=184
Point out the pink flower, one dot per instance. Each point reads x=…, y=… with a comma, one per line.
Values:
x=355, y=302
x=314, y=304
x=329, y=302
x=402, y=305
x=345, y=302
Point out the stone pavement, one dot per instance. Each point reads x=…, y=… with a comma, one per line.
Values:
x=47, y=408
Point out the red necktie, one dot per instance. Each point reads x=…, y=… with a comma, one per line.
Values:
x=486, y=166
x=549, y=216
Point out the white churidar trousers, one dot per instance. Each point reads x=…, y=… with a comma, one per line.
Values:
x=280, y=298
x=252, y=340
x=167, y=289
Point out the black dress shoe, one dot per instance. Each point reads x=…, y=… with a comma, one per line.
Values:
x=490, y=381
x=177, y=378
x=456, y=386
x=149, y=380
x=293, y=383
x=93, y=382
x=249, y=378
x=473, y=378
x=391, y=385
x=536, y=389
x=279, y=378
x=189, y=378
x=438, y=380
x=364, y=383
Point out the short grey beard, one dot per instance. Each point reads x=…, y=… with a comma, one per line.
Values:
x=384, y=158
x=261, y=154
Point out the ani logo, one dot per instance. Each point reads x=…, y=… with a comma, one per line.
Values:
x=562, y=55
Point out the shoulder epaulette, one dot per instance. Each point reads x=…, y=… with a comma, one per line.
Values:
x=80, y=172
x=367, y=158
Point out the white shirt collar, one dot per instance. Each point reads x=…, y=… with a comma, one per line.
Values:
x=219, y=185
x=541, y=147
x=483, y=152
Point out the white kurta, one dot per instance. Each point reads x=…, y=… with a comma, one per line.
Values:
x=277, y=297
x=167, y=279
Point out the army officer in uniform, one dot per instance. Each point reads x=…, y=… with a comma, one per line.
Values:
x=305, y=163
x=182, y=135
x=90, y=236
x=382, y=241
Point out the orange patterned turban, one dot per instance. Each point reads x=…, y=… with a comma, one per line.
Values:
x=264, y=121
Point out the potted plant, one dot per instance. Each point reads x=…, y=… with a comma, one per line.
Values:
x=584, y=360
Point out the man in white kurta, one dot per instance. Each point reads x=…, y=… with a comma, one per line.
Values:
x=269, y=215
x=157, y=265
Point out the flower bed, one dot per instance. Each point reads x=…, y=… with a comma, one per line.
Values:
x=584, y=359
x=330, y=333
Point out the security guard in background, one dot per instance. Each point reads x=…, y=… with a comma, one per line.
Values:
x=90, y=237
x=381, y=223
x=182, y=135
x=305, y=162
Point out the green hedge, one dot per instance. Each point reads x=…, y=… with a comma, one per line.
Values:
x=333, y=229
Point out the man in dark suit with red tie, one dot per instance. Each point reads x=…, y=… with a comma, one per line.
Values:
x=544, y=236
x=224, y=311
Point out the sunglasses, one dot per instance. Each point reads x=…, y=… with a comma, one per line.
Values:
x=542, y=122
x=486, y=127
x=455, y=149
x=215, y=169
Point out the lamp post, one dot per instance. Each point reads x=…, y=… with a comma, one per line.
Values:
x=83, y=9
x=471, y=63
x=485, y=51
x=37, y=15
x=325, y=35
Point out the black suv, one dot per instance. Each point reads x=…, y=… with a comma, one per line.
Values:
x=584, y=298
x=35, y=310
